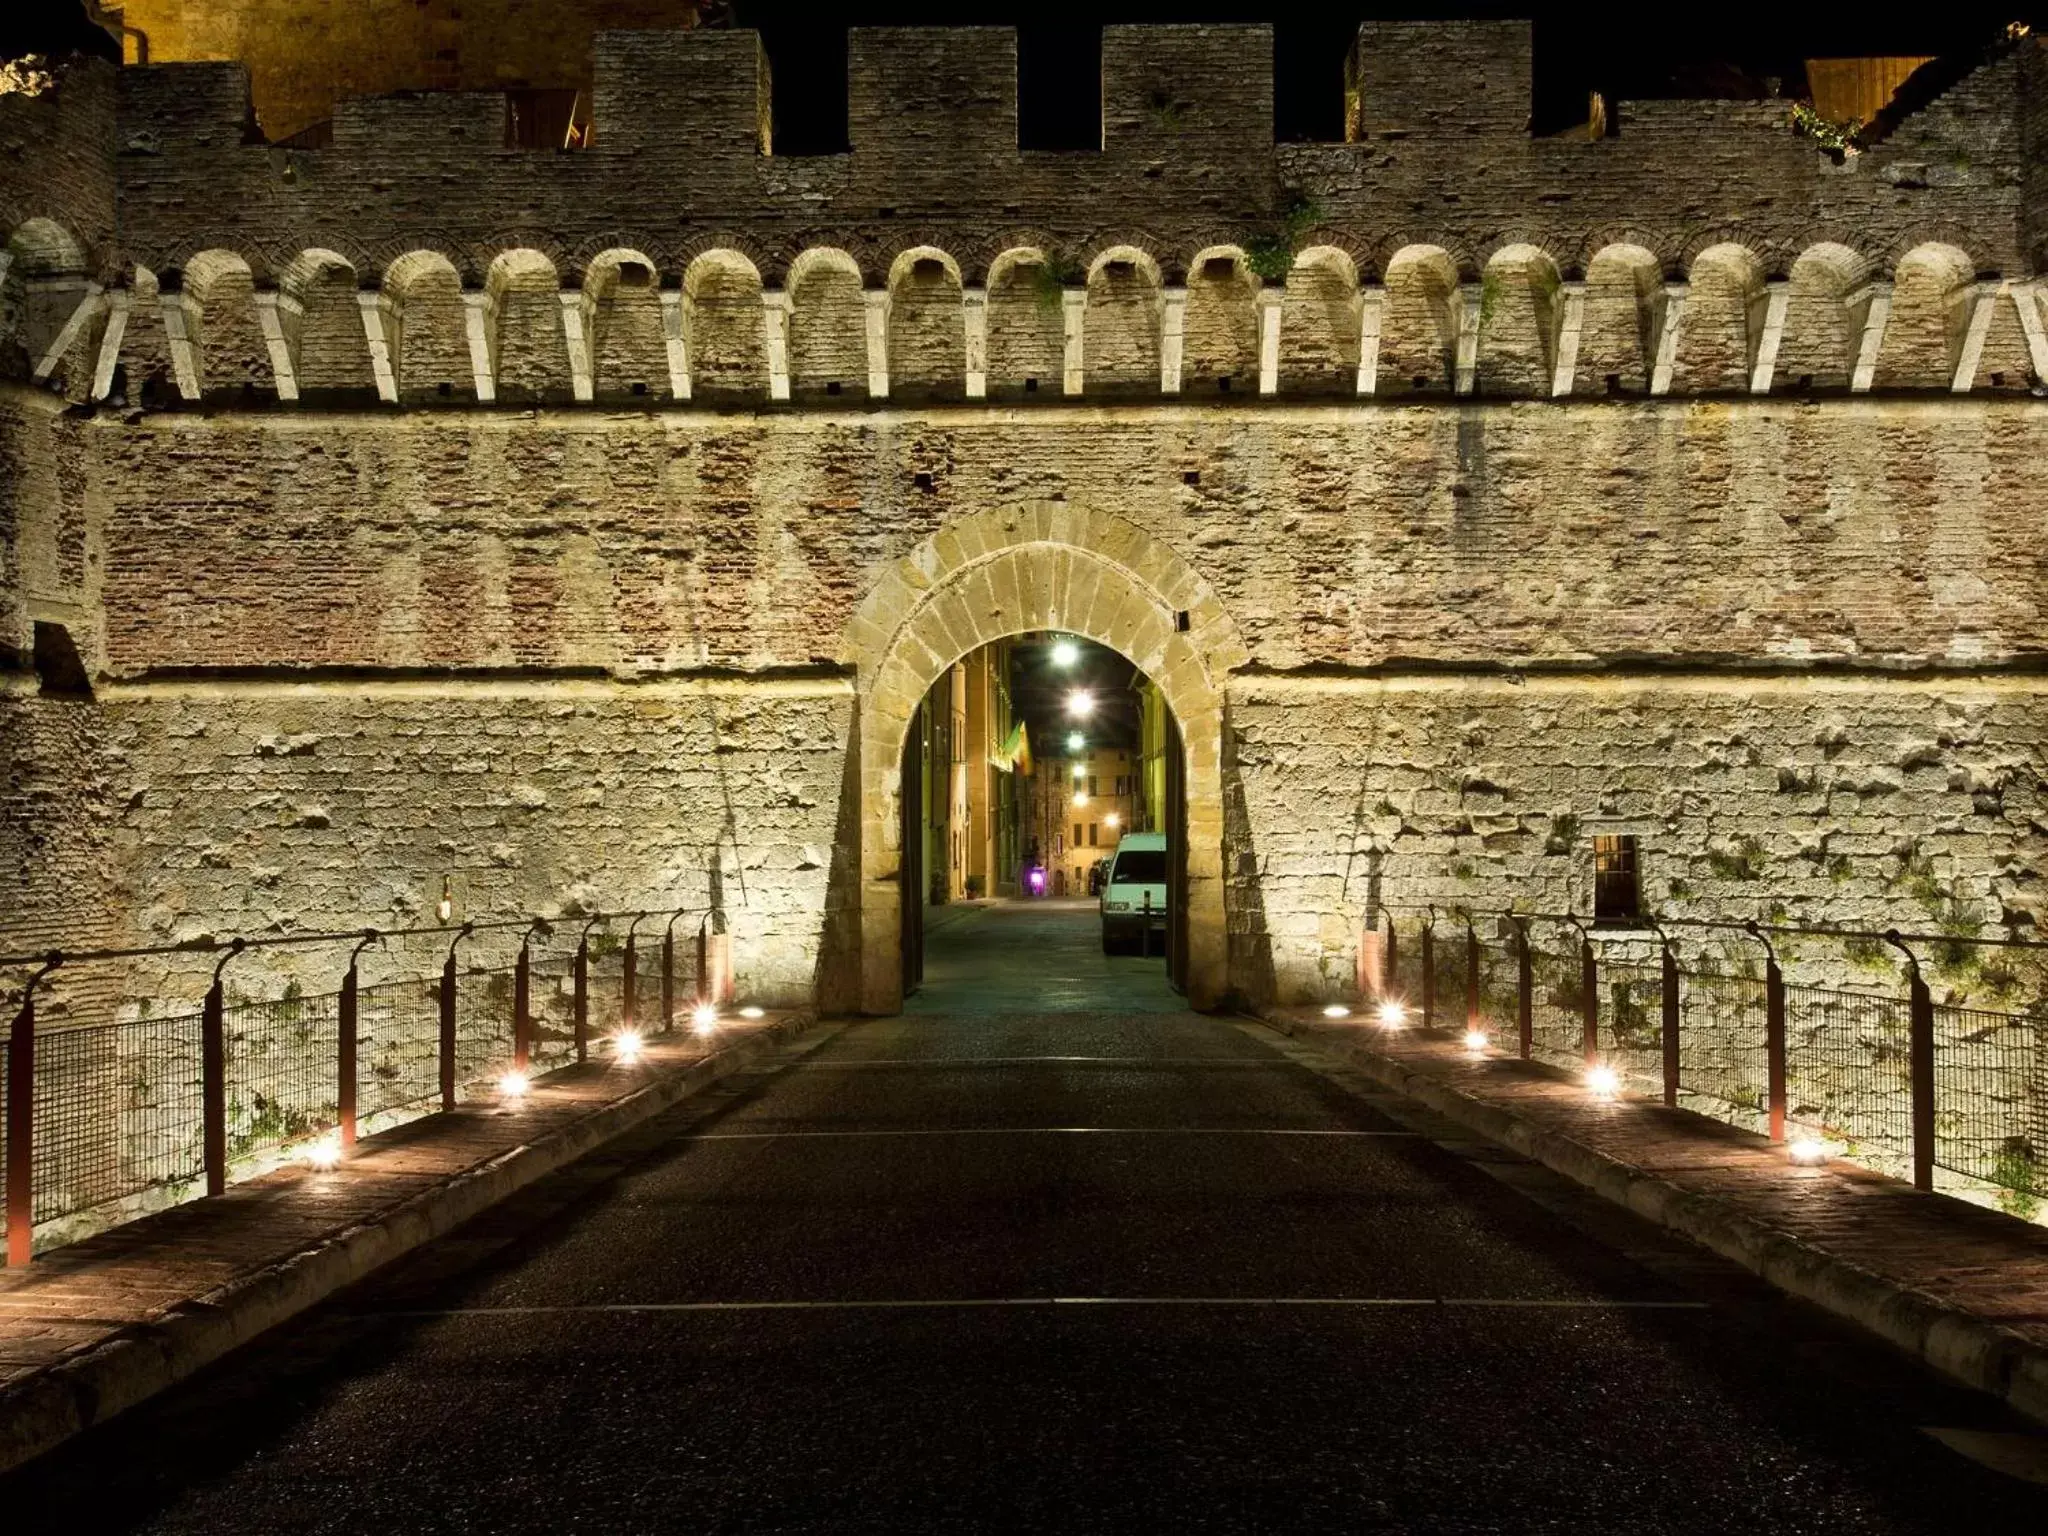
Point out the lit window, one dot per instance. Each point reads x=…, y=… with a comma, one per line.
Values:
x=1617, y=892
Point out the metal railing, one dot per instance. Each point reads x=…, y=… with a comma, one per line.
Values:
x=138, y=1113
x=1892, y=1079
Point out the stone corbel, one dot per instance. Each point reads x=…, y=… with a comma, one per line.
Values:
x=576, y=337
x=877, y=301
x=378, y=337
x=1876, y=312
x=476, y=304
x=1372, y=305
x=1670, y=323
x=974, y=327
x=283, y=370
x=1074, y=315
x=1777, y=299
x=675, y=335
x=1571, y=323
x=1173, y=338
x=1270, y=300
x=118, y=302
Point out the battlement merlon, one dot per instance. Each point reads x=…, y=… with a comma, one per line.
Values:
x=682, y=152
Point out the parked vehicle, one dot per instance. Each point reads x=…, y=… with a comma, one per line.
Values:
x=1134, y=893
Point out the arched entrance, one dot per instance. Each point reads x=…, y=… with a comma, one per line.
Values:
x=1039, y=566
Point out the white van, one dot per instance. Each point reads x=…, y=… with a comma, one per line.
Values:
x=1134, y=895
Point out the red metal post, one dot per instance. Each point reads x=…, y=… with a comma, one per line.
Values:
x=1774, y=1045
x=582, y=974
x=1589, y=997
x=628, y=1004
x=448, y=1031
x=213, y=1086
x=1525, y=993
x=21, y=1133
x=1471, y=978
x=345, y=1063
x=1428, y=975
x=522, y=1008
x=1920, y=1062
x=1670, y=1027
x=668, y=979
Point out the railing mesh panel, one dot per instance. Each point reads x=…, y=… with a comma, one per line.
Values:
x=1847, y=1071
x=1991, y=1097
x=281, y=1081
x=1722, y=1063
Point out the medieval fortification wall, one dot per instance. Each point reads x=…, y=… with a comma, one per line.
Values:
x=421, y=507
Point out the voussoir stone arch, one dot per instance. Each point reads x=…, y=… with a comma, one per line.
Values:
x=1039, y=565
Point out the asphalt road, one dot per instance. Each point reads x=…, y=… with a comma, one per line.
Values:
x=1089, y=1270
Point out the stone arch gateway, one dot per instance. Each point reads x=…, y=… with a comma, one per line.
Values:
x=1038, y=565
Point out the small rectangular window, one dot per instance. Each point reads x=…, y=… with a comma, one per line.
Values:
x=1091, y=785
x=1077, y=834
x=1091, y=833
x=1617, y=893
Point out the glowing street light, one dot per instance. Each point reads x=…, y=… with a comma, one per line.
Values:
x=1112, y=821
x=1065, y=653
x=1080, y=772
x=1075, y=742
x=1080, y=797
x=1080, y=703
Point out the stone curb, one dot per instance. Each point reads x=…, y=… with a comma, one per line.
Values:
x=1959, y=1344
x=48, y=1408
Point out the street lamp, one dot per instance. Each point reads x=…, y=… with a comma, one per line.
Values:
x=1065, y=653
x=1080, y=797
x=1075, y=742
x=1112, y=821
x=1080, y=703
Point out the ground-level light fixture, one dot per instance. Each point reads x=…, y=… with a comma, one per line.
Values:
x=1336, y=1011
x=1602, y=1081
x=1065, y=653
x=1081, y=703
x=626, y=1045
x=1810, y=1150
x=753, y=1012
x=325, y=1153
x=513, y=1085
x=1393, y=1014
x=1475, y=1040
x=704, y=1018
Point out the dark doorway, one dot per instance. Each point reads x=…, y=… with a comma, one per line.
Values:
x=911, y=872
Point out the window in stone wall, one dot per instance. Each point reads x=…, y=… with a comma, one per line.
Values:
x=1617, y=891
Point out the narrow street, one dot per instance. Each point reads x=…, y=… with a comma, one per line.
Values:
x=1046, y=1254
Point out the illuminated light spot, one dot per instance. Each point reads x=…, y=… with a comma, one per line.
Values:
x=325, y=1153
x=752, y=1012
x=1603, y=1082
x=1080, y=703
x=513, y=1085
x=626, y=1046
x=1393, y=1014
x=1475, y=1040
x=1807, y=1149
x=1336, y=1011
x=1065, y=653
x=704, y=1018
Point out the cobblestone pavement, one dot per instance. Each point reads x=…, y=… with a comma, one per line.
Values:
x=1100, y=1269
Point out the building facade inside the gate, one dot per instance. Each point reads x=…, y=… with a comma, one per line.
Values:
x=397, y=498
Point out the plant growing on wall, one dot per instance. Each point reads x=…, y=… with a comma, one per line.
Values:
x=1270, y=253
x=2017, y=1172
x=1840, y=139
x=1051, y=278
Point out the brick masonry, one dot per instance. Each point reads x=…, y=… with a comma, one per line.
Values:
x=349, y=643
